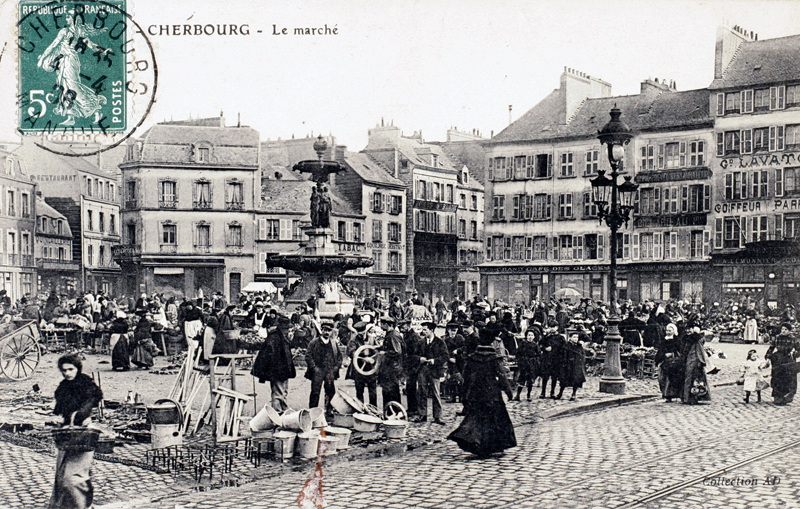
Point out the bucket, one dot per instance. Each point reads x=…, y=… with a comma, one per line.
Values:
x=164, y=411
x=307, y=445
x=395, y=429
x=265, y=419
x=342, y=434
x=317, y=417
x=328, y=444
x=296, y=420
x=345, y=421
x=345, y=404
x=284, y=446
x=165, y=435
x=366, y=423
x=266, y=433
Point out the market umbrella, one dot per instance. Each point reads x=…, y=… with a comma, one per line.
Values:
x=567, y=293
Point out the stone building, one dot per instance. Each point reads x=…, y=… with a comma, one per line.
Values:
x=189, y=190
x=17, y=227
x=53, y=252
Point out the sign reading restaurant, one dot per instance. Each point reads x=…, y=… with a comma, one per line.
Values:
x=760, y=160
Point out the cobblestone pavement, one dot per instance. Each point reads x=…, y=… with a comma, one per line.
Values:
x=555, y=460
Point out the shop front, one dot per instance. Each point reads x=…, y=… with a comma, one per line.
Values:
x=523, y=284
x=668, y=281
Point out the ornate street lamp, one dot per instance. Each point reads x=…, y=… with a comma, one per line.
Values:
x=614, y=205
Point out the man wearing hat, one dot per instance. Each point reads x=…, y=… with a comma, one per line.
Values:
x=412, y=347
x=391, y=368
x=323, y=360
x=364, y=336
x=433, y=363
x=456, y=358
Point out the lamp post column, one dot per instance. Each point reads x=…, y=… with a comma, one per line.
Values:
x=612, y=381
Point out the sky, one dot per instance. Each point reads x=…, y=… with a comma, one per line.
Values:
x=421, y=65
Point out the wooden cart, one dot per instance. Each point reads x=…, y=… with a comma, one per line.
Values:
x=19, y=349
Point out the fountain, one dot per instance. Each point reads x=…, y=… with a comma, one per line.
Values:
x=319, y=264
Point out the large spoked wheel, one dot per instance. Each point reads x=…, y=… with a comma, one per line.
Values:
x=395, y=411
x=19, y=357
x=366, y=360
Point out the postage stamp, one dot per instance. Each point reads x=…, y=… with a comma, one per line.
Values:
x=72, y=66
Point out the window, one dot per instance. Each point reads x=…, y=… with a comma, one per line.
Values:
x=565, y=206
x=203, y=154
x=670, y=200
x=421, y=190
x=462, y=201
x=506, y=248
x=357, y=232
x=541, y=206
x=26, y=211
x=747, y=101
x=516, y=211
x=544, y=165
x=474, y=202
x=696, y=153
x=696, y=244
x=10, y=201
x=377, y=229
x=648, y=157
x=786, y=181
x=649, y=201
x=89, y=187
x=777, y=97
x=732, y=102
x=101, y=221
x=793, y=136
x=234, y=199
x=130, y=233
x=436, y=195
x=395, y=262
x=792, y=95
x=473, y=230
x=759, y=181
x=590, y=246
x=699, y=198
x=203, y=236
x=111, y=193
x=89, y=254
x=269, y=229
x=234, y=237
x=377, y=258
x=760, y=139
x=564, y=247
x=449, y=193
x=731, y=142
x=673, y=155
x=89, y=220
x=130, y=194
x=397, y=205
x=527, y=206
x=592, y=157
x=168, y=233
x=517, y=248
x=566, y=164
x=540, y=247
x=341, y=231
x=520, y=167
x=498, y=208
x=646, y=246
x=589, y=207
x=776, y=138
x=297, y=233
x=462, y=228
x=758, y=228
x=747, y=141
x=202, y=194
x=394, y=233
x=732, y=232
x=377, y=202
x=761, y=99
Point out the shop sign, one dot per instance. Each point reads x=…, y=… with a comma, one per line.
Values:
x=546, y=269
x=53, y=178
x=753, y=261
x=778, y=205
x=759, y=160
x=672, y=175
x=346, y=247
x=669, y=220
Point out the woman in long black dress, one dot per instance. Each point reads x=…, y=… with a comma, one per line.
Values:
x=573, y=373
x=121, y=350
x=486, y=428
x=670, y=364
x=695, y=382
x=75, y=397
x=782, y=354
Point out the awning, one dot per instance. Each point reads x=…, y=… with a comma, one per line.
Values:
x=264, y=286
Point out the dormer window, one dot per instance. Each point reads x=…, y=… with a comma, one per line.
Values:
x=202, y=152
x=465, y=177
x=202, y=155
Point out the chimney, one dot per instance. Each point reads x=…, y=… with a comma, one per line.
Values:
x=728, y=41
x=577, y=86
x=396, y=163
x=509, y=114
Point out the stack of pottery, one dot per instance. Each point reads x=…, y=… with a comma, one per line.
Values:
x=344, y=407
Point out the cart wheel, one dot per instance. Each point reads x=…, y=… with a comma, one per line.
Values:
x=396, y=411
x=365, y=360
x=19, y=357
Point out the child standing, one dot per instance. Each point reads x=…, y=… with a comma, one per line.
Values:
x=753, y=379
x=528, y=362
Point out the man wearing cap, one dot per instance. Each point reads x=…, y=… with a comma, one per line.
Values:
x=456, y=360
x=433, y=363
x=323, y=360
x=390, y=372
x=412, y=343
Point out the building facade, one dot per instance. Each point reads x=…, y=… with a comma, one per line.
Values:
x=430, y=180
x=188, y=190
x=17, y=228
x=755, y=102
x=57, y=271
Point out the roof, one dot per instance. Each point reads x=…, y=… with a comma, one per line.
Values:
x=281, y=155
x=413, y=149
x=762, y=62
x=294, y=197
x=35, y=158
x=45, y=210
x=172, y=142
x=542, y=118
x=470, y=154
x=675, y=109
x=370, y=170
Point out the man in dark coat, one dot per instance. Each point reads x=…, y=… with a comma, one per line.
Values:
x=573, y=373
x=433, y=364
x=551, y=365
x=274, y=364
x=412, y=343
x=390, y=372
x=323, y=360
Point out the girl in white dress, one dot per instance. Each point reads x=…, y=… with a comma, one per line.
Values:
x=753, y=378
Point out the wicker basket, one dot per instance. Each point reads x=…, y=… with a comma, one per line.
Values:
x=76, y=438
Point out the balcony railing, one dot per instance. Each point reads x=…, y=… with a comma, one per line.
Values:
x=234, y=205
x=168, y=248
x=167, y=204
x=202, y=249
x=202, y=205
x=13, y=258
x=27, y=260
x=234, y=249
x=131, y=204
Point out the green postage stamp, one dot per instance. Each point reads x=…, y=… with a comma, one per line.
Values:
x=72, y=64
